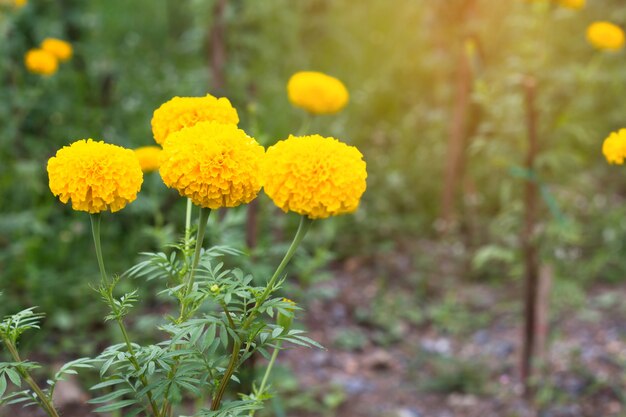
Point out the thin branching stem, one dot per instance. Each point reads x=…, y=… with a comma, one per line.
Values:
x=204, y=217
x=42, y=398
x=95, y=228
x=303, y=227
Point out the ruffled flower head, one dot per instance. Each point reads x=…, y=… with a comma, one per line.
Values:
x=181, y=112
x=95, y=176
x=215, y=165
x=314, y=176
x=317, y=92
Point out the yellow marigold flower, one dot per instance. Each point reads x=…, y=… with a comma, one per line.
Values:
x=41, y=62
x=314, y=176
x=20, y=3
x=96, y=176
x=317, y=92
x=182, y=112
x=149, y=158
x=573, y=4
x=214, y=164
x=605, y=35
x=614, y=147
x=59, y=48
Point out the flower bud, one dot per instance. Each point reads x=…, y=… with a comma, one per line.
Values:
x=285, y=320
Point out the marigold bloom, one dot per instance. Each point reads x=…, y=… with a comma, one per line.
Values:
x=59, y=48
x=314, y=176
x=41, y=62
x=20, y=3
x=605, y=35
x=215, y=165
x=149, y=158
x=182, y=112
x=573, y=4
x=614, y=147
x=96, y=176
x=317, y=92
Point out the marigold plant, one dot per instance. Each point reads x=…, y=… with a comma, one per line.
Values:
x=149, y=158
x=606, y=36
x=61, y=49
x=181, y=112
x=95, y=176
x=314, y=176
x=614, y=147
x=41, y=62
x=215, y=165
x=317, y=92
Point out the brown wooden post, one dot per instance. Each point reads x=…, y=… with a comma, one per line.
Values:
x=455, y=160
x=542, y=323
x=531, y=261
x=217, y=46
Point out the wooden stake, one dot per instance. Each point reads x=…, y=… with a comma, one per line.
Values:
x=217, y=45
x=456, y=141
x=542, y=313
x=528, y=244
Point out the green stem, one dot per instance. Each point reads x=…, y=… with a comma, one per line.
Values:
x=204, y=218
x=42, y=398
x=234, y=358
x=95, y=228
x=303, y=227
x=95, y=231
x=188, y=223
x=268, y=371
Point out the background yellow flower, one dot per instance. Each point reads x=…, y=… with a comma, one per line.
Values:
x=614, y=147
x=41, y=62
x=573, y=4
x=96, y=176
x=215, y=165
x=182, y=112
x=59, y=48
x=314, y=176
x=149, y=157
x=605, y=35
x=317, y=92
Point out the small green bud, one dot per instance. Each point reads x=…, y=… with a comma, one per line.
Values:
x=215, y=288
x=284, y=320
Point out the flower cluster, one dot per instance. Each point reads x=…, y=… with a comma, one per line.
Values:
x=95, y=176
x=314, y=176
x=45, y=59
x=213, y=164
x=149, y=158
x=181, y=112
x=209, y=160
x=614, y=147
x=316, y=92
x=606, y=36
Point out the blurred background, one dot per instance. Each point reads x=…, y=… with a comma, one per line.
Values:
x=420, y=295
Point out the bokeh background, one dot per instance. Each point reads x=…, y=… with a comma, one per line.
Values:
x=419, y=301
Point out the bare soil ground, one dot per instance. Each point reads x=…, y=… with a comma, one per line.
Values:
x=425, y=370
